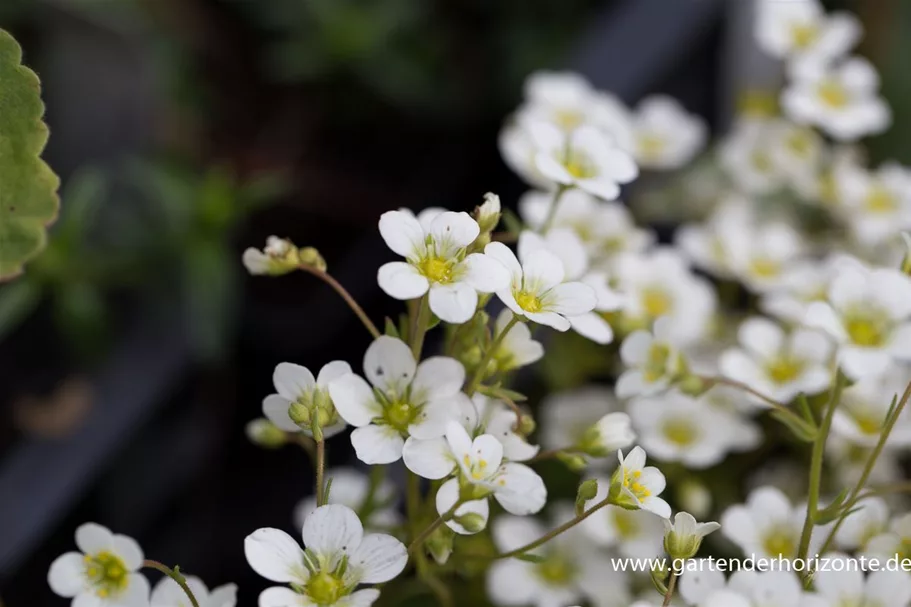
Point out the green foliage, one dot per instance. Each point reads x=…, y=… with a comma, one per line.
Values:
x=28, y=187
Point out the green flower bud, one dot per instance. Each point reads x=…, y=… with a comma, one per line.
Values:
x=683, y=538
x=265, y=434
x=439, y=544
x=472, y=522
x=573, y=461
x=309, y=256
x=527, y=425
x=300, y=414
x=659, y=575
x=587, y=491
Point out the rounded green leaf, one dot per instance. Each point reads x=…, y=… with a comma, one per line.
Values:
x=28, y=187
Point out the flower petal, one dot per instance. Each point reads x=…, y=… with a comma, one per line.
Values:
x=332, y=371
x=389, y=364
x=66, y=576
x=401, y=280
x=92, y=538
x=128, y=549
x=503, y=254
x=279, y=596
x=292, y=381
x=542, y=271
x=571, y=299
x=377, y=444
x=379, y=558
x=136, y=593
x=275, y=408
x=276, y=556
x=446, y=498
x=331, y=531
x=361, y=598
x=453, y=303
x=428, y=458
x=438, y=377
x=402, y=233
x=353, y=399
x=593, y=327
x=549, y=319
x=520, y=490
x=485, y=273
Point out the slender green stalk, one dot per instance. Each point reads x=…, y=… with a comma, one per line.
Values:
x=819, y=449
x=780, y=407
x=422, y=537
x=552, y=211
x=175, y=575
x=670, y=590
x=440, y=589
x=336, y=285
x=320, y=472
x=854, y=496
x=488, y=356
x=419, y=329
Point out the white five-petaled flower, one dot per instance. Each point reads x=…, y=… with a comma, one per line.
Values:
x=777, y=364
x=677, y=428
x=868, y=313
x=803, y=30
x=864, y=407
x=168, y=593
x=436, y=260
x=537, y=291
x=633, y=534
x=747, y=154
x=842, y=100
x=876, y=205
x=584, y=158
x=104, y=573
x=303, y=400
x=337, y=557
x=801, y=284
x=844, y=584
x=665, y=135
x=351, y=488
x=653, y=358
x=402, y=399
x=640, y=485
x=481, y=471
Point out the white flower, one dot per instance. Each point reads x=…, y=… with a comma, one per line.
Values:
x=584, y=158
x=640, y=486
x=518, y=348
x=168, y=593
x=481, y=472
x=498, y=419
x=777, y=364
x=653, y=358
x=867, y=519
x=660, y=283
x=104, y=573
x=801, y=284
x=632, y=533
x=799, y=154
x=338, y=557
x=351, y=488
x=436, y=260
x=684, y=536
x=276, y=257
x=588, y=420
x=845, y=585
x=302, y=400
x=843, y=100
x=537, y=291
x=876, y=205
x=732, y=408
x=896, y=541
x=569, y=570
x=868, y=313
x=677, y=428
x=861, y=413
x=768, y=525
x=665, y=135
x=775, y=588
x=605, y=227
x=402, y=399
x=748, y=155
x=802, y=29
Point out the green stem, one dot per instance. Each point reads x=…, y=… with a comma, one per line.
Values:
x=488, y=356
x=421, y=320
x=440, y=589
x=320, y=472
x=819, y=450
x=336, y=285
x=854, y=497
x=670, y=590
x=175, y=575
x=422, y=537
x=552, y=211
x=780, y=407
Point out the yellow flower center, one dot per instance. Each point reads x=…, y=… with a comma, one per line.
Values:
x=799, y=142
x=568, y=119
x=400, y=415
x=631, y=482
x=762, y=161
x=477, y=470
x=804, y=35
x=325, y=588
x=579, y=166
x=784, y=369
x=436, y=269
x=833, y=94
x=867, y=329
x=657, y=361
x=107, y=573
x=780, y=542
x=681, y=432
x=868, y=420
x=651, y=146
x=528, y=301
x=625, y=522
x=555, y=570
x=764, y=267
x=758, y=104
x=656, y=302
x=880, y=200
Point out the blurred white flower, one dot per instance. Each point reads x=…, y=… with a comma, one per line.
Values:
x=640, y=485
x=841, y=100
x=665, y=135
x=768, y=525
x=660, y=283
x=574, y=420
x=867, y=519
x=338, y=556
x=848, y=461
x=518, y=348
x=653, y=359
x=632, y=533
x=868, y=313
x=402, y=399
x=350, y=487
x=168, y=593
x=895, y=541
x=302, y=399
x=876, y=205
x=437, y=261
x=537, y=290
x=104, y=573
x=748, y=155
x=677, y=428
x=862, y=410
x=802, y=29
x=802, y=283
x=842, y=584
x=777, y=588
x=778, y=364
x=799, y=153
x=570, y=569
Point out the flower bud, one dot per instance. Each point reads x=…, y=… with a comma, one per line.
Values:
x=279, y=256
x=439, y=544
x=587, y=491
x=683, y=538
x=488, y=214
x=659, y=575
x=471, y=521
x=311, y=257
x=526, y=425
x=573, y=461
x=612, y=432
x=906, y=260
x=265, y=434
x=300, y=414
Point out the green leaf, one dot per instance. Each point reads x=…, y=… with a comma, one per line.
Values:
x=28, y=187
x=833, y=511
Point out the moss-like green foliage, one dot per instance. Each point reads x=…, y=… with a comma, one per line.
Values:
x=28, y=187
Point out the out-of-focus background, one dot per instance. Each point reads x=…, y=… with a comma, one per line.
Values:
x=135, y=349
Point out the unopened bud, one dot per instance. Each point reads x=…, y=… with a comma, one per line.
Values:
x=300, y=414
x=279, y=256
x=659, y=575
x=526, y=425
x=439, y=544
x=587, y=491
x=573, y=461
x=265, y=434
x=471, y=521
x=612, y=432
x=683, y=538
x=311, y=257
x=488, y=214
x=906, y=261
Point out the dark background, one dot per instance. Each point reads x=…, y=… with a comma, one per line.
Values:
x=188, y=130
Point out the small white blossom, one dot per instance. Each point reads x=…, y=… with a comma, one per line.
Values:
x=537, y=290
x=402, y=399
x=437, y=261
x=876, y=205
x=338, y=557
x=684, y=536
x=168, y=593
x=892, y=542
x=632, y=533
x=302, y=399
x=868, y=313
x=801, y=284
x=802, y=29
x=351, y=487
x=104, y=573
x=842, y=100
x=665, y=135
x=862, y=410
x=654, y=360
x=748, y=156
x=776, y=588
x=777, y=364
x=517, y=349
x=845, y=584
x=640, y=485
